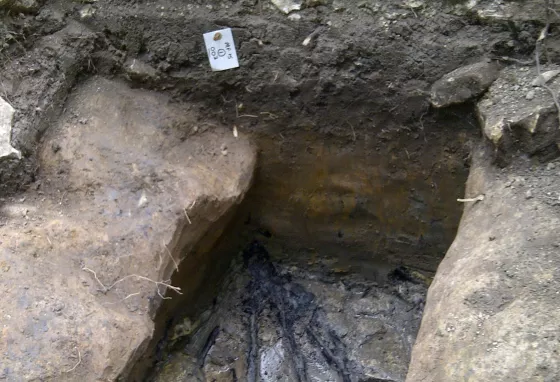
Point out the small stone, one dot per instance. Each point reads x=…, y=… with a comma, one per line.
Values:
x=415, y=4
x=530, y=95
x=294, y=16
x=528, y=194
x=87, y=12
x=287, y=6
x=139, y=70
x=550, y=166
x=464, y=83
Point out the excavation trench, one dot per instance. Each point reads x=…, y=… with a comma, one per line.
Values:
x=321, y=273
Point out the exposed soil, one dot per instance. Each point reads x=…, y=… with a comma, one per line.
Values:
x=357, y=173
x=356, y=97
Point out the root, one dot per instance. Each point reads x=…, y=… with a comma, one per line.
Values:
x=106, y=289
x=479, y=198
x=77, y=364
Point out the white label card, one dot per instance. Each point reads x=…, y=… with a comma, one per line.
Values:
x=221, y=50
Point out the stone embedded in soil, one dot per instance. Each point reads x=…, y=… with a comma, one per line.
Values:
x=464, y=84
x=502, y=11
x=20, y=5
x=77, y=259
x=287, y=6
x=513, y=112
x=139, y=70
x=6, y=118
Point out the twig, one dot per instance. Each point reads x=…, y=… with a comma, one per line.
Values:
x=541, y=41
x=554, y=11
x=194, y=202
x=78, y=363
x=158, y=283
x=187, y=216
x=517, y=61
x=96, y=279
x=353, y=132
x=160, y=261
x=170, y=255
x=271, y=115
x=248, y=115
x=62, y=197
x=131, y=295
x=477, y=199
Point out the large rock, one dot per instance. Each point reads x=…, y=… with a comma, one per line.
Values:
x=129, y=183
x=464, y=83
x=492, y=311
x=518, y=114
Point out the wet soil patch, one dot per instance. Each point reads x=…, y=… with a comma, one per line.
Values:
x=276, y=322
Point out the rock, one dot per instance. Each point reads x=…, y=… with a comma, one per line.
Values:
x=515, y=120
x=414, y=4
x=109, y=227
x=20, y=5
x=339, y=6
x=464, y=84
x=87, y=12
x=287, y=6
x=6, y=117
x=295, y=16
x=491, y=312
x=502, y=11
x=545, y=77
x=139, y=70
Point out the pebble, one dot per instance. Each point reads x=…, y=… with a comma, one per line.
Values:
x=528, y=194
x=530, y=95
